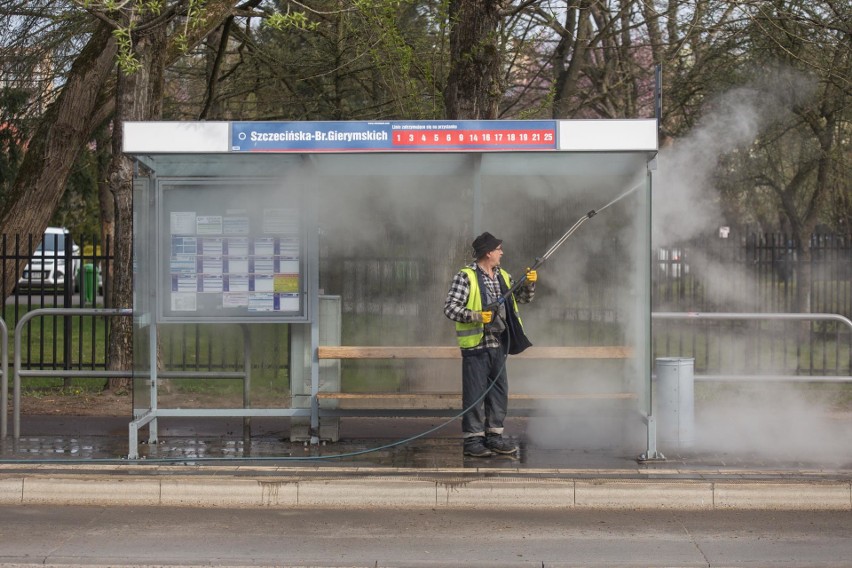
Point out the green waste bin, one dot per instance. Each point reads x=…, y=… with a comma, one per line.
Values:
x=90, y=282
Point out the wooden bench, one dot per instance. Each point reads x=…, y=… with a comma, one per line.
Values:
x=452, y=400
x=444, y=352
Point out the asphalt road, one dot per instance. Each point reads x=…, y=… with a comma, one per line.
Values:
x=97, y=536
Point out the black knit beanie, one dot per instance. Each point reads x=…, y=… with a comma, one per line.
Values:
x=485, y=243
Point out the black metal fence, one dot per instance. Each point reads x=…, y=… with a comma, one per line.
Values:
x=70, y=271
x=58, y=270
x=756, y=272
x=752, y=273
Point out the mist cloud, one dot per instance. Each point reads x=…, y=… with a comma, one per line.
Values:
x=686, y=202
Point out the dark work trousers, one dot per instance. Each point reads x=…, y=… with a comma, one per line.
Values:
x=478, y=370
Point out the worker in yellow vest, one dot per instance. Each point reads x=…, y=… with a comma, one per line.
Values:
x=488, y=328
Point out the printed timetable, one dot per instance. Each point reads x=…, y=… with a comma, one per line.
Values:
x=234, y=263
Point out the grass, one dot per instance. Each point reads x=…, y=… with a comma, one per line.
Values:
x=43, y=346
x=40, y=392
x=187, y=347
x=718, y=349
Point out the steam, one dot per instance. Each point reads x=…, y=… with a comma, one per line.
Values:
x=772, y=420
x=589, y=420
x=428, y=216
x=776, y=421
x=586, y=296
x=685, y=201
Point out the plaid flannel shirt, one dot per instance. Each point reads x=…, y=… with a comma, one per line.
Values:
x=454, y=306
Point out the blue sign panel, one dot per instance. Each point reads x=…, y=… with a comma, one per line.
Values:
x=436, y=136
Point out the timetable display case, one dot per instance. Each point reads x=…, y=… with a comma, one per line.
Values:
x=231, y=249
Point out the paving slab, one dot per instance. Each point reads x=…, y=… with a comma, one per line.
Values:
x=214, y=464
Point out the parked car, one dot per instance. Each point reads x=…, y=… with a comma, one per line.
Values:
x=47, y=269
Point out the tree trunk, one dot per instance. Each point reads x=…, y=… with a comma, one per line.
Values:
x=473, y=88
x=82, y=105
x=53, y=149
x=571, y=45
x=107, y=210
x=138, y=97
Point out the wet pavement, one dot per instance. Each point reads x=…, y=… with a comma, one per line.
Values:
x=214, y=463
x=373, y=443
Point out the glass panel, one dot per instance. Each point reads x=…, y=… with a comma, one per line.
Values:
x=143, y=301
x=393, y=230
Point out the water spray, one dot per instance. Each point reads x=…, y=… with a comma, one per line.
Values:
x=538, y=262
x=543, y=258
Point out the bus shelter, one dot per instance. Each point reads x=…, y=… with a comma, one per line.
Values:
x=299, y=269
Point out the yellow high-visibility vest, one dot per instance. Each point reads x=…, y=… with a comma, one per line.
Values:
x=470, y=334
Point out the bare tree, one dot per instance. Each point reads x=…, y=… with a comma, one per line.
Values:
x=142, y=41
x=138, y=97
x=804, y=160
x=473, y=88
x=61, y=133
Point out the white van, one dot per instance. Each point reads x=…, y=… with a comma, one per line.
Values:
x=47, y=267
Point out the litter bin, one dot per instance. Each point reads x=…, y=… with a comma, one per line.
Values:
x=90, y=282
x=675, y=402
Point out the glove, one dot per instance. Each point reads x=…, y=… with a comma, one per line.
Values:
x=532, y=276
x=484, y=317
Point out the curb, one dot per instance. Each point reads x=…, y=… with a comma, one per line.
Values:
x=418, y=491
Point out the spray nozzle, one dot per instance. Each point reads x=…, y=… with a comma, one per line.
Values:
x=591, y=213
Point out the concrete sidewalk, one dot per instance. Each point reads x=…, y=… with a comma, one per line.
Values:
x=212, y=464
x=345, y=487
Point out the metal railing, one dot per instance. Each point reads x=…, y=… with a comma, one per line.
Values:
x=19, y=373
x=4, y=378
x=768, y=317
x=88, y=373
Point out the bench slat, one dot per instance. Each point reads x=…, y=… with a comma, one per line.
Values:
x=439, y=396
x=444, y=352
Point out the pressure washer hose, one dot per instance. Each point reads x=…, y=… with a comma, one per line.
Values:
x=539, y=261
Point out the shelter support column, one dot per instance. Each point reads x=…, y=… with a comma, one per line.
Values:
x=651, y=452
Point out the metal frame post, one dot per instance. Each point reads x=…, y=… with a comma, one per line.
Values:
x=67, y=298
x=771, y=316
x=4, y=379
x=247, y=380
x=477, y=193
x=153, y=350
x=754, y=316
x=313, y=295
x=651, y=452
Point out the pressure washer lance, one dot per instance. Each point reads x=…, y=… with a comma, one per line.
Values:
x=493, y=306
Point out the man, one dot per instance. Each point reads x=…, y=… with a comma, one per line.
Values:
x=486, y=336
